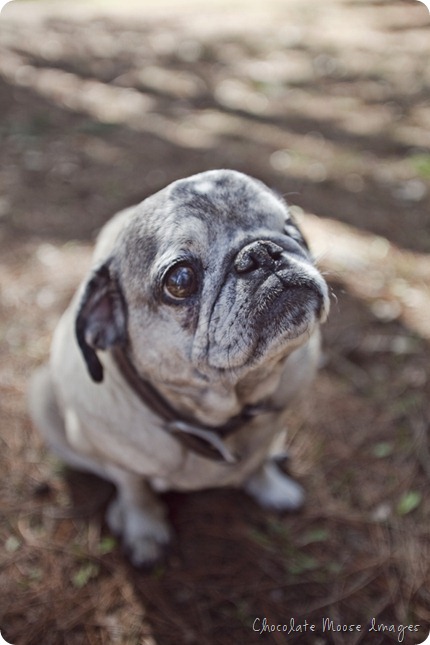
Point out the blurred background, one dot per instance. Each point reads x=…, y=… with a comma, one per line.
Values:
x=102, y=104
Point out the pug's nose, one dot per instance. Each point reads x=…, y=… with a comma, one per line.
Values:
x=257, y=255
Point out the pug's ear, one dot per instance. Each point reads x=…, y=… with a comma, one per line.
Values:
x=101, y=318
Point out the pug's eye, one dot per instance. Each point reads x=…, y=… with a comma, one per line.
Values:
x=180, y=282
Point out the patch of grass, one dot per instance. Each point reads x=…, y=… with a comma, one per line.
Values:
x=302, y=563
x=107, y=545
x=315, y=535
x=409, y=502
x=382, y=449
x=421, y=165
x=84, y=574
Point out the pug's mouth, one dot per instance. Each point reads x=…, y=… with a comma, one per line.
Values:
x=266, y=320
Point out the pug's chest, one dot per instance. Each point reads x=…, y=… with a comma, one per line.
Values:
x=251, y=445
x=117, y=427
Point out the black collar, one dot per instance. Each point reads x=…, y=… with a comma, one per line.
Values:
x=205, y=441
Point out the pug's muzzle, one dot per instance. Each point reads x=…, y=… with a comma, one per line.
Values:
x=271, y=296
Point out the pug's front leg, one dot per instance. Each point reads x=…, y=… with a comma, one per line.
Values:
x=139, y=518
x=273, y=489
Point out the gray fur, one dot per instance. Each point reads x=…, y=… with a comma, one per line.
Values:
x=247, y=335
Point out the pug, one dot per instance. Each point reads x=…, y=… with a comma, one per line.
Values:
x=173, y=367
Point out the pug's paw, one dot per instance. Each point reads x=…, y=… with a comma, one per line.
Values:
x=144, y=532
x=273, y=489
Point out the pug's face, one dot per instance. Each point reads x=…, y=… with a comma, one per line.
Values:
x=210, y=279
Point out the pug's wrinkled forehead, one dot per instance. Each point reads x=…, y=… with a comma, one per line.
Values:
x=199, y=216
x=230, y=199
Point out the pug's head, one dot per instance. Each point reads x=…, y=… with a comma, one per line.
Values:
x=209, y=280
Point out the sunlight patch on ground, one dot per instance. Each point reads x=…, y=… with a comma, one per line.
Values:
x=393, y=281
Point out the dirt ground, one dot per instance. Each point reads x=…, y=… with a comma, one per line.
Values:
x=329, y=104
